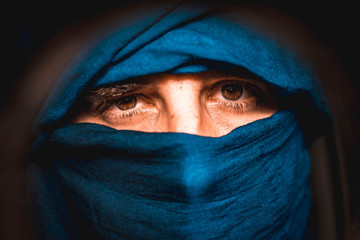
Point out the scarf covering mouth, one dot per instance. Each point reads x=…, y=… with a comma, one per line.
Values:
x=88, y=181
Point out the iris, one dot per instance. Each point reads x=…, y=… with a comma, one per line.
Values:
x=126, y=103
x=232, y=92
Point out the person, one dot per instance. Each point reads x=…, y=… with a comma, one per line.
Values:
x=208, y=103
x=181, y=121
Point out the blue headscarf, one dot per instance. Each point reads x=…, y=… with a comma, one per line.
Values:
x=89, y=181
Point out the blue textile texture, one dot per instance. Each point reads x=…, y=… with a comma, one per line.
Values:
x=88, y=181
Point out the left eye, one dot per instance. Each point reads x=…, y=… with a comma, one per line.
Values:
x=235, y=95
x=232, y=92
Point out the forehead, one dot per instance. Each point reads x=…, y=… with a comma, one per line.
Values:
x=205, y=76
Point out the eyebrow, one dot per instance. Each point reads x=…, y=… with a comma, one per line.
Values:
x=98, y=99
x=113, y=91
x=118, y=89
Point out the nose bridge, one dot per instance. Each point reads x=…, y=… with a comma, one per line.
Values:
x=183, y=106
x=196, y=175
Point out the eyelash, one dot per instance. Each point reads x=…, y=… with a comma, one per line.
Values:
x=256, y=100
x=241, y=106
x=122, y=115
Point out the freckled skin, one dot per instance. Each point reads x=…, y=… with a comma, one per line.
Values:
x=180, y=104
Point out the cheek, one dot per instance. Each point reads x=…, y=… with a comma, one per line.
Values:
x=146, y=121
x=226, y=121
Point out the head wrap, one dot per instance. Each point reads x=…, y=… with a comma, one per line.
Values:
x=94, y=182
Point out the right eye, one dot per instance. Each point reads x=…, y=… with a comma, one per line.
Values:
x=129, y=108
x=126, y=103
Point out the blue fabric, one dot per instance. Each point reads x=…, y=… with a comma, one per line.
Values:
x=187, y=39
x=249, y=184
x=89, y=181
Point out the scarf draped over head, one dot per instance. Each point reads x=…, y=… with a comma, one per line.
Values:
x=89, y=181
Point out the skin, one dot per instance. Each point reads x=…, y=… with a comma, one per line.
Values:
x=208, y=104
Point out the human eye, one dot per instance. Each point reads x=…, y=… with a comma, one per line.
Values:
x=236, y=96
x=127, y=108
x=120, y=106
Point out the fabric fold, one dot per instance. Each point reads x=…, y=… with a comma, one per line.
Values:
x=185, y=40
x=88, y=181
x=134, y=185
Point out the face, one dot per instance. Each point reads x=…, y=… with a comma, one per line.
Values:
x=207, y=103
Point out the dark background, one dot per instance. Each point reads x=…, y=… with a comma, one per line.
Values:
x=27, y=27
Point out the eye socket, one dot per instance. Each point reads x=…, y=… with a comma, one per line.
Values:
x=126, y=103
x=232, y=92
